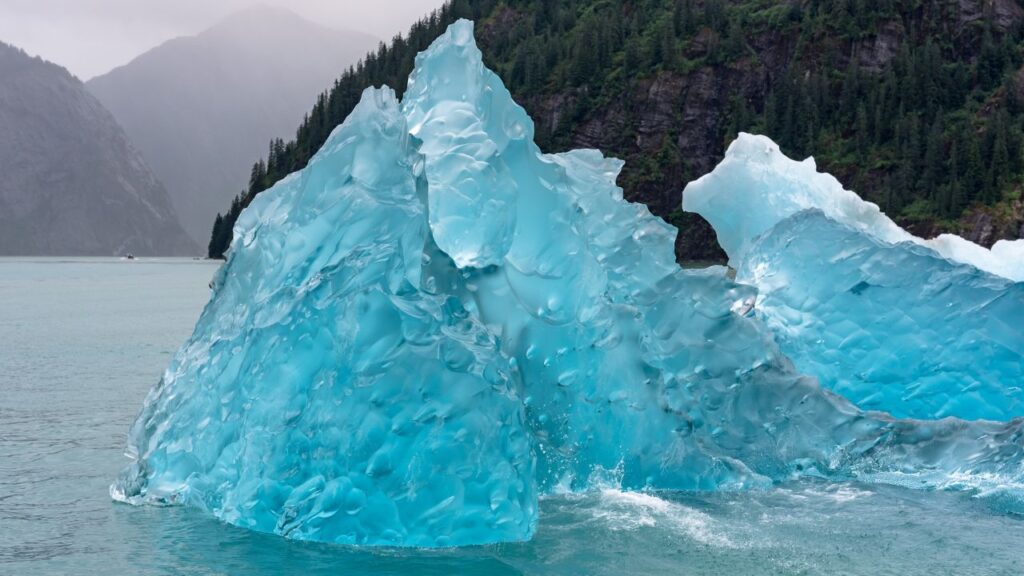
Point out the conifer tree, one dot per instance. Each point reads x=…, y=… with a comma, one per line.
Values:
x=214, y=250
x=933, y=160
x=955, y=197
x=973, y=178
x=998, y=168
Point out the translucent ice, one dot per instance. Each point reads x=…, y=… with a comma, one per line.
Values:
x=326, y=393
x=434, y=322
x=757, y=176
x=889, y=321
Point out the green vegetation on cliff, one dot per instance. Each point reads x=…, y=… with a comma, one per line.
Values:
x=916, y=104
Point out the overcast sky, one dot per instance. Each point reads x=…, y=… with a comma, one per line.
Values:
x=90, y=37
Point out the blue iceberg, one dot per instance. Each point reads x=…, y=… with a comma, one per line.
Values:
x=328, y=393
x=756, y=187
x=434, y=323
x=915, y=328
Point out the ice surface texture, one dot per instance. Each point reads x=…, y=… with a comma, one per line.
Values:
x=325, y=393
x=434, y=323
x=890, y=321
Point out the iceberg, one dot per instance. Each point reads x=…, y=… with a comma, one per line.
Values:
x=329, y=394
x=756, y=175
x=435, y=323
x=918, y=329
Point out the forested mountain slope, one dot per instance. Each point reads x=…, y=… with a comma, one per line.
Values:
x=916, y=105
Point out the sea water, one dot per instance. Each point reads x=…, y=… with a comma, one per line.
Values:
x=83, y=340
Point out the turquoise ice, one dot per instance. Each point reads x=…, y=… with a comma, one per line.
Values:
x=435, y=323
x=328, y=393
x=915, y=328
x=756, y=186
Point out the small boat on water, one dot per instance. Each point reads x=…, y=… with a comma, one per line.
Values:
x=129, y=256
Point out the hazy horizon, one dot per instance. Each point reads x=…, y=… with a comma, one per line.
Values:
x=91, y=37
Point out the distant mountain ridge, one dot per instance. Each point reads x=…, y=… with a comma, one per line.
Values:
x=71, y=184
x=201, y=107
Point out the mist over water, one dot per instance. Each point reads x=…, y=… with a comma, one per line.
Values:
x=85, y=339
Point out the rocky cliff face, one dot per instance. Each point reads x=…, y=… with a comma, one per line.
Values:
x=988, y=226
x=70, y=182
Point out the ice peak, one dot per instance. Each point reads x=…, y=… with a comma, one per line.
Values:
x=756, y=186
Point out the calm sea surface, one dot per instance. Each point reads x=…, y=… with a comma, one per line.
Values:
x=83, y=340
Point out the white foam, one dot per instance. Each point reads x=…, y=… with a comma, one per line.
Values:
x=622, y=510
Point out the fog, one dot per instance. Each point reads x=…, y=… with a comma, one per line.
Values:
x=90, y=37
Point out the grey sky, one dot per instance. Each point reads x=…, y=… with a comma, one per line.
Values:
x=90, y=37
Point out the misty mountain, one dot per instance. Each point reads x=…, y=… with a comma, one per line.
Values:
x=200, y=108
x=70, y=181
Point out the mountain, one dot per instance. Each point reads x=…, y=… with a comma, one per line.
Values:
x=916, y=105
x=70, y=181
x=200, y=108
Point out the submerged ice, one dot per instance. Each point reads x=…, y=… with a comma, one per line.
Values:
x=434, y=323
